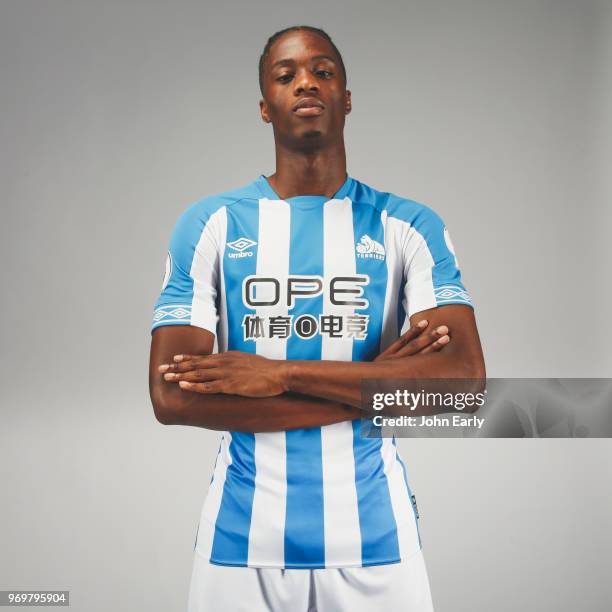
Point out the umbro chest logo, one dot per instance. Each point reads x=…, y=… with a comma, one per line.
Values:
x=368, y=248
x=240, y=247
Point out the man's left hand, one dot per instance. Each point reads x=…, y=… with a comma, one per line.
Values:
x=232, y=372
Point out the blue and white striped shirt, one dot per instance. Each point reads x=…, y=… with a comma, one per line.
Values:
x=320, y=278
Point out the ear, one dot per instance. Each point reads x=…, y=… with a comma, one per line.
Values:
x=347, y=102
x=263, y=109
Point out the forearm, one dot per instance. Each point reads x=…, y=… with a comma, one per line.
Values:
x=236, y=413
x=341, y=381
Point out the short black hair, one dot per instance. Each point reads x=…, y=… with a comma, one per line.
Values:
x=278, y=34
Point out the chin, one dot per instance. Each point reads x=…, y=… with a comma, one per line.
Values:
x=312, y=134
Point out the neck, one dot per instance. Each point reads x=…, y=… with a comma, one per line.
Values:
x=316, y=172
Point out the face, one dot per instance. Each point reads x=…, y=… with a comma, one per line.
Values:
x=305, y=95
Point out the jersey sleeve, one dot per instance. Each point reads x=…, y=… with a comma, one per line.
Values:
x=189, y=290
x=431, y=271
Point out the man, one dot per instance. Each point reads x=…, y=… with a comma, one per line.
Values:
x=279, y=299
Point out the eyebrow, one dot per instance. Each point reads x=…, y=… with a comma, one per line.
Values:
x=316, y=58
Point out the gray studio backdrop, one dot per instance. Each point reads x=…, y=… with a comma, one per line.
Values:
x=115, y=116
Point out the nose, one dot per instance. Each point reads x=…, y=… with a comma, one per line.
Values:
x=305, y=81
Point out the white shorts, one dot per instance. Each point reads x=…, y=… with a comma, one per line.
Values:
x=401, y=587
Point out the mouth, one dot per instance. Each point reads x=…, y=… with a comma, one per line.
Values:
x=308, y=107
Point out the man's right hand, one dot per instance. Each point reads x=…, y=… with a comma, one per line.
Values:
x=417, y=341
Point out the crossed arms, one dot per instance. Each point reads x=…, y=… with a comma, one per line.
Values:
x=236, y=391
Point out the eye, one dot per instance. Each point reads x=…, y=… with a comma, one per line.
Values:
x=325, y=73
x=285, y=78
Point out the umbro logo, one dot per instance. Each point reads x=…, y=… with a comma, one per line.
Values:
x=240, y=246
x=367, y=248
